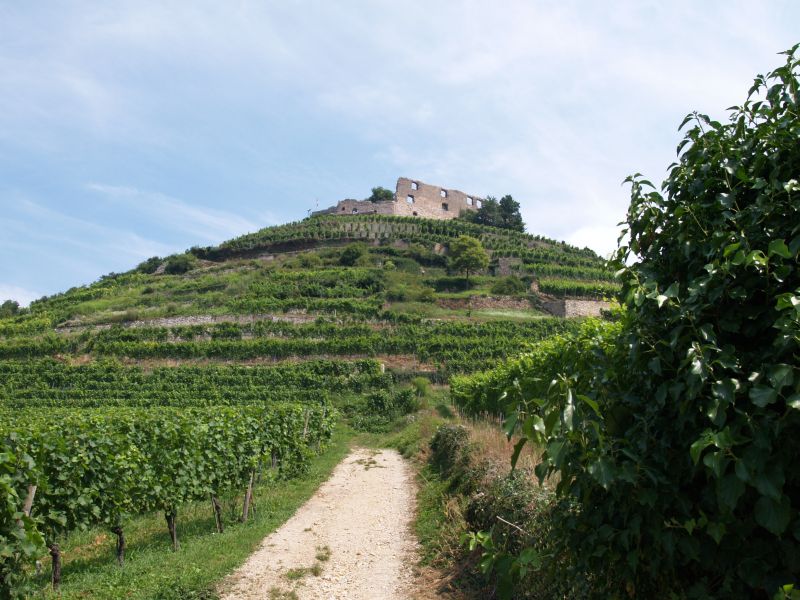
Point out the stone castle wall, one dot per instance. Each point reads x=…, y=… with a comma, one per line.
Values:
x=412, y=198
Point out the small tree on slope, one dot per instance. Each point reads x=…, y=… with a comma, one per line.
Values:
x=467, y=255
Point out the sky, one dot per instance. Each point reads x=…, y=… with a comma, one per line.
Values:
x=134, y=129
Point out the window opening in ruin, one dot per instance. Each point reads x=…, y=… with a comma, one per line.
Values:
x=414, y=213
x=355, y=210
x=343, y=208
x=414, y=185
x=410, y=199
x=469, y=201
x=444, y=206
x=443, y=193
x=479, y=203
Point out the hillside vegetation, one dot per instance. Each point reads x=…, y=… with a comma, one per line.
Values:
x=202, y=375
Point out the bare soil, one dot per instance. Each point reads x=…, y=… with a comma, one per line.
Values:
x=352, y=540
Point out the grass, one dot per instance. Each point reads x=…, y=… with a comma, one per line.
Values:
x=152, y=570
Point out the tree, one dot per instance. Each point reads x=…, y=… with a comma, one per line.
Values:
x=467, y=255
x=504, y=214
x=510, y=216
x=381, y=194
x=9, y=308
x=487, y=214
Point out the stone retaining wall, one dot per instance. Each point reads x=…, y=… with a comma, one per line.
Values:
x=571, y=307
x=485, y=302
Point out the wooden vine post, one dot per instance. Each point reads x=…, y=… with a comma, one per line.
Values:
x=217, y=507
x=117, y=530
x=248, y=496
x=173, y=531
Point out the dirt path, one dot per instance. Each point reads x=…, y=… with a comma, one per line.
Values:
x=351, y=541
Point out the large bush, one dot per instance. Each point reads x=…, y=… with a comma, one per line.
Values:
x=678, y=441
x=714, y=301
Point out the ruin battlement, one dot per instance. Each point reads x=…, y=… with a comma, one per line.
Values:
x=412, y=198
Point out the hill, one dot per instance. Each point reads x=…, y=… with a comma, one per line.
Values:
x=237, y=359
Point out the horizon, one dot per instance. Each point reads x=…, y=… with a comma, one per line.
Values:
x=144, y=130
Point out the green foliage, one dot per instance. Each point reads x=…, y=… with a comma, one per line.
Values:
x=352, y=253
x=676, y=430
x=509, y=286
x=380, y=411
x=9, y=308
x=503, y=214
x=453, y=346
x=510, y=217
x=381, y=194
x=467, y=255
x=98, y=467
x=20, y=541
x=422, y=386
x=150, y=265
x=180, y=263
x=106, y=383
x=571, y=287
x=451, y=284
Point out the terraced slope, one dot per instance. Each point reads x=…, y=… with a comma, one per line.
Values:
x=238, y=359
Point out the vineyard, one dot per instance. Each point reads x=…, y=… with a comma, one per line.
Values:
x=150, y=390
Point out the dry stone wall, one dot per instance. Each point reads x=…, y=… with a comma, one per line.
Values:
x=485, y=303
x=565, y=307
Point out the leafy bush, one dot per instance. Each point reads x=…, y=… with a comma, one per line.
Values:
x=421, y=386
x=180, y=263
x=678, y=439
x=426, y=294
x=452, y=284
x=150, y=265
x=450, y=448
x=509, y=286
x=351, y=254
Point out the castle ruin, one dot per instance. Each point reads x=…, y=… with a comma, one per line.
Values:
x=412, y=198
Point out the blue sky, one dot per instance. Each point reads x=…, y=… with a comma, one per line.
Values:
x=133, y=129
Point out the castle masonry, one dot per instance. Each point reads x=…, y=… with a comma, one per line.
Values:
x=412, y=198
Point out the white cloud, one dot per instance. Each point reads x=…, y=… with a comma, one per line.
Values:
x=55, y=226
x=209, y=224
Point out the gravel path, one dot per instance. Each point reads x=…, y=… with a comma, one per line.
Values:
x=351, y=541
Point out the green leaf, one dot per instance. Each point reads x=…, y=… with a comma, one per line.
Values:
x=729, y=489
x=780, y=248
x=703, y=442
x=773, y=515
x=603, y=471
x=716, y=531
x=590, y=403
x=769, y=482
x=763, y=395
x=780, y=376
x=517, y=450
